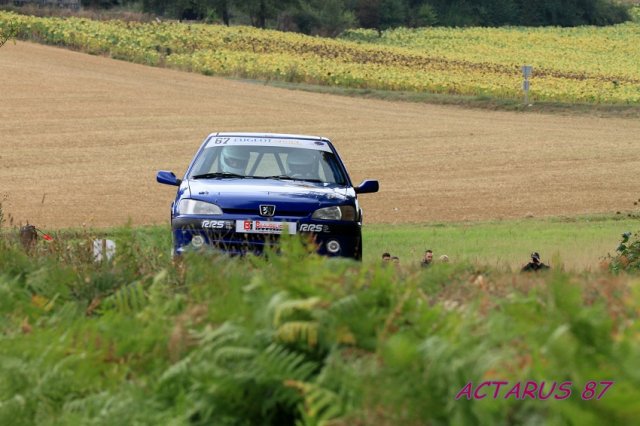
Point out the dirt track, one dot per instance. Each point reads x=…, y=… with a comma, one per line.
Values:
x=87, y=134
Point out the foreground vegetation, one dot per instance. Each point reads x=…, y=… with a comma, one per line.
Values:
x=568, y=63
x=298, y=339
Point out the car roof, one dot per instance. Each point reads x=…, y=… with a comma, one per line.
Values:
x=267, y=135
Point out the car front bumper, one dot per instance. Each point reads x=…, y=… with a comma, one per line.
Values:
x=237, y=235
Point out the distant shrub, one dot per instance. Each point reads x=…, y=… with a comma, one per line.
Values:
x=360, y=35
x=7, y=31
x=628, y=257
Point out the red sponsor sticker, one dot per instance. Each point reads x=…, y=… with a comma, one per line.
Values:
x=268, y=226
x=248, y=225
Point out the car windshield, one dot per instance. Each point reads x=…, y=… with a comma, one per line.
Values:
x=269, y=160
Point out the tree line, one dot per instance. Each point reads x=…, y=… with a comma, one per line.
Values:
x=330, y=17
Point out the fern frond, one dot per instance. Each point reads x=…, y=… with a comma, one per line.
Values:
x=232, y=354
x=276, y=300
x=296, y=331
x=89, y=404
x=346, y=304
x=320, y=406
x=345, y=336
x=179, y=369
x=212, y=338
x=17, y=377
x=288, y=307
x=277, y=362
x=128, y=299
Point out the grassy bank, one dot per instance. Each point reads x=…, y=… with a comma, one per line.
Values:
x=298, y=339
x=573, y=243
x=477, y=102
x=577, y=244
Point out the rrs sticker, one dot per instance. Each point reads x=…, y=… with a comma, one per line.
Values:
x=216, y=224
x=310, y=227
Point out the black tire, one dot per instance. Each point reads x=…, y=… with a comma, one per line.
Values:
x=357, y=255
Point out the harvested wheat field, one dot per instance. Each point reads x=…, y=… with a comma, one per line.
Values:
x=81, y=139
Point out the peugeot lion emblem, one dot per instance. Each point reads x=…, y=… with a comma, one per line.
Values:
x=267, y=210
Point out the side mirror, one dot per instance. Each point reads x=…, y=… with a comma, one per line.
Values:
x=168, y=178
x=367, y=186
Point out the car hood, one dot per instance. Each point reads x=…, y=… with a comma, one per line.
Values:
x=288, y=196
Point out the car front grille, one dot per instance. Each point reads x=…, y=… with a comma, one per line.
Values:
x=253, y=212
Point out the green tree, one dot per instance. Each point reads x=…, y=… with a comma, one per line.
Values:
x=457, y=13
x=260, y=11
x=222, y=9
x=393, y=13
x=423, y=16
x=323, y=17
x=329, y=17
x=368, y=13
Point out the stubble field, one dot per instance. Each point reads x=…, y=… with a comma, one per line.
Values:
x=81, y=138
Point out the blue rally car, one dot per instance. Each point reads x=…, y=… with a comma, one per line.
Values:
x=242, y=190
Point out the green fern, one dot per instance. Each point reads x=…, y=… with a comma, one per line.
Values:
x=288, y=308
x=299, y=331
x=15, y=411
x=89, y=404
x=212, y=338
x=229, y=354
x=320, y=405
x=17, y=377
x=278, y=362
x=128, y=299
x=345, y=305
x=174, y=375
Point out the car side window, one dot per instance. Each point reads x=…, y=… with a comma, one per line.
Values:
x=325, y=173
x=331, y=170
x=205, y=162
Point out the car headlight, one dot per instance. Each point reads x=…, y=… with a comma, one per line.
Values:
x=188, y=206
x=335, y=213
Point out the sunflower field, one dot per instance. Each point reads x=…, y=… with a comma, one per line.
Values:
x=575, y=65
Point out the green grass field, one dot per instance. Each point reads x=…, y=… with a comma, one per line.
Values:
x=575, y=244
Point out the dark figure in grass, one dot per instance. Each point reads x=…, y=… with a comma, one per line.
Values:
x=427, y=259
x=535, y=264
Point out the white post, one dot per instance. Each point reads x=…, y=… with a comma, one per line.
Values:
x=527, y=70
x=103, y=249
